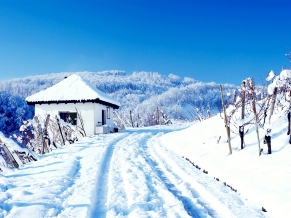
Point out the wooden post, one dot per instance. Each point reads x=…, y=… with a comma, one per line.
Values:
x=81, y=121
x=234, y=97
x=243, y=100
x=60, y=130
x=225, y=121
x=256, y=119
x=44, y=133
x=39, y=129
x=273, y=103
x=10, y=156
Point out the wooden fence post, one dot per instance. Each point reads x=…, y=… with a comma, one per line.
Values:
x=81, y=121
x=60, y=130
x=243, y=100
x=45, y=134
x=10, y=156
x=39, y=130
x=273, y=103
x=225, y=120
x=256, y=119
x=234, y=97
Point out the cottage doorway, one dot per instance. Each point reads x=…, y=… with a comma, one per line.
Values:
x=103, y=117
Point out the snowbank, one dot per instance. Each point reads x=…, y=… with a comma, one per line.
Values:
x=263, y=180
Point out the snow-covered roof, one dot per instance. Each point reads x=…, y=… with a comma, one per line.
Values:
x=72, y=89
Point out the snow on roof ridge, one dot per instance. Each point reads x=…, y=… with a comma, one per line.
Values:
x=72, y=88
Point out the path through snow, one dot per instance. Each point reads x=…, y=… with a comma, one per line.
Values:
x=127, y=174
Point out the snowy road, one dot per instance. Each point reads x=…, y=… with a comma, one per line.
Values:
x=127, y=174
x=145, y=179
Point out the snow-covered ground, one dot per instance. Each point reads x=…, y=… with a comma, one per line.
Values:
x=142, y=173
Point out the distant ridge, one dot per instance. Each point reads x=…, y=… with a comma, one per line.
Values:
x=139, y=92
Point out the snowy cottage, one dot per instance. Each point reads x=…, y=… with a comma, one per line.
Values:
x=63, y=98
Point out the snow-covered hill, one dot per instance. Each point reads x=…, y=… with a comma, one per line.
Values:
x=139, y=92
x=146, y=172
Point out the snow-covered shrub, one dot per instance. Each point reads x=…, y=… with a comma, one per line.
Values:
x=46, y=132
x=12, y=155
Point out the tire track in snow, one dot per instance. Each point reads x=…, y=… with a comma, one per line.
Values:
x=148, y=180
x=81, y=181
x=174, y=184
x=135, y=189
x=213, y=199
x=100, y=194
x=167, y=168
x=138, y=189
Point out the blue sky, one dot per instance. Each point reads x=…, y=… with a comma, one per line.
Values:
x=220, y=41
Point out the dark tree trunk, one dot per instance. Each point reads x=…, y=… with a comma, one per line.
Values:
x=241, y=134
x=268, y=142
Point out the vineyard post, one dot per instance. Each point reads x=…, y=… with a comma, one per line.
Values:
x=225, y=121
x=273, y=103
x=243, y=100
x=60, y=130
x=10, y=156
x=45, y=133
x=256, y=119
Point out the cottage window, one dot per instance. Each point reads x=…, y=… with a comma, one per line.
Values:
x=69, y=117
x=108, y=112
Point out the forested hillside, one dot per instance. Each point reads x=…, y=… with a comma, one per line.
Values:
x=13, y=110
x=140, y=92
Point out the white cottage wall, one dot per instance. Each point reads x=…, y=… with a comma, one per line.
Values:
x=86, y=110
